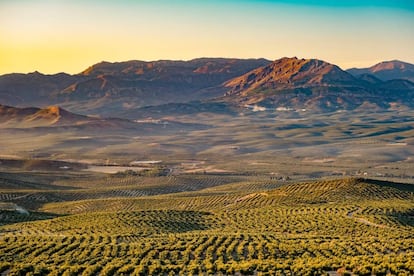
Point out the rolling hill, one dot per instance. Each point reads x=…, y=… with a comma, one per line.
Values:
x=233, y=225
x=54, y=119
x=34, y=117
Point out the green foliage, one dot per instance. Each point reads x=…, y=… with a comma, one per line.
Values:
x=349, y=226
x=149, y=172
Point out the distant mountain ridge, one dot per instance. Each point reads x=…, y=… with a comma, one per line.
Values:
x=125, y=85
x=387, y=70
x=115, y=89
x=169, y=68
x=32, y=88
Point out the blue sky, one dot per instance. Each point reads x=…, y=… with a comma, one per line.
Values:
x=69, y=35
x=398, y=4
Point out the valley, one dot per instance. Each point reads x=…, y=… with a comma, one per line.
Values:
x=208, y=167
x=298, y=144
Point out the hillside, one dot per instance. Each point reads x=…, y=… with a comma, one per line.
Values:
x=290, y=73
x=35, y=117
x=201, y=224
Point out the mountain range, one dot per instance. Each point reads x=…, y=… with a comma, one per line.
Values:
x=313, y=84
x=107, y=87
x=127, y=88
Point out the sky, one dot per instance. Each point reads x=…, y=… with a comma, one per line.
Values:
x=53, y=36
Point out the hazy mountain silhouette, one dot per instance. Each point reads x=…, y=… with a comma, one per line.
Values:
x=388, y=70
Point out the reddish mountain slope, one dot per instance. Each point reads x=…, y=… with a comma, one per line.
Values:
x=288, y=73
x=311, y=84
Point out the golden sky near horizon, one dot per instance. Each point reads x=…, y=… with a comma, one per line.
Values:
x=55, y=36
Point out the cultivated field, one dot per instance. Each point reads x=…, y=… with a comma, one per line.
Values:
x=83, y=223
x=267, y=193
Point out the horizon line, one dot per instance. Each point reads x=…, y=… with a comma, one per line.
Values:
x=202, y=57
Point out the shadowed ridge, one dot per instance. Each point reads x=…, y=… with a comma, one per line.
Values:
x=161, y=69
x=395, y=185
x=339, y=190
